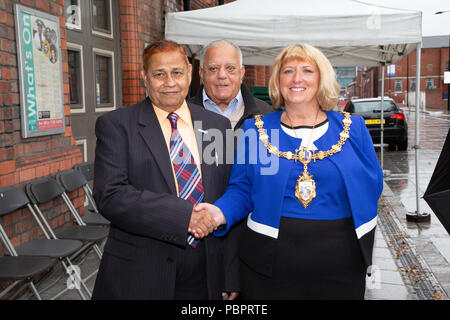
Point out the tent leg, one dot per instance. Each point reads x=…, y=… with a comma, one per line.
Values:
x=417, y=216
x=385, y=172
x=381, y=118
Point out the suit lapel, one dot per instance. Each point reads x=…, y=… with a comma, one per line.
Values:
x=151, y=132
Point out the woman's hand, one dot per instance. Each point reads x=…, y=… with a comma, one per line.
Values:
x=214, y=211
x=201, y=224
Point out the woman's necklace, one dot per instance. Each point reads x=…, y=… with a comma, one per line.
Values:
x=295, y=133
x=305, y=188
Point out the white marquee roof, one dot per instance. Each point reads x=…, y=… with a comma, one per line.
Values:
x=349, y=32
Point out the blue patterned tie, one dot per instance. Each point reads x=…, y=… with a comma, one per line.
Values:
x=188, y=177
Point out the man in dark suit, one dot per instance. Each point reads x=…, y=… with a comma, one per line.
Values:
x=143, y=154
x=221, y=71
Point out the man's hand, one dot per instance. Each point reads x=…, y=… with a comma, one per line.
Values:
x=214, y=211
x=229, y=295
x=201, y=224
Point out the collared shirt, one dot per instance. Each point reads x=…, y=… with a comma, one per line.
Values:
x=232, y=106
x=234, y=111
x=186, y=129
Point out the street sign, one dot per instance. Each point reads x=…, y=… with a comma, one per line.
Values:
x=391, y=70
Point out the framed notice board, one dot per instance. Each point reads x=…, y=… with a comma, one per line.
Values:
x=40, y=72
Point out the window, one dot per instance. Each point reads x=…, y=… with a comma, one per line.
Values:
x=102, y=69
x=398, y=86
x=82, y=144
x=374, y=106
x=429, y=83
x=76, y=78
x=412, y=84
x=102, y=17
x=73, y=14
x=104, y=79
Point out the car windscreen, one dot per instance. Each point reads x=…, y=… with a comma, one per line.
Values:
x=374, y=106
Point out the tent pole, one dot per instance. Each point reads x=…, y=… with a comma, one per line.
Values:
x=382, y=117
x=416, y=147
x=417, y=216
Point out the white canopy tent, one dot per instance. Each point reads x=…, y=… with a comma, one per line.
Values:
x=349, y=32
x=366, y=33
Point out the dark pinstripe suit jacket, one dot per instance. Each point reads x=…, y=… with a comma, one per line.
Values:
x=134, y=188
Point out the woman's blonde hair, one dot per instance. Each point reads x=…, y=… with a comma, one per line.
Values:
x=328, y=93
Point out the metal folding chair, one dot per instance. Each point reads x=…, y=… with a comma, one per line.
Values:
x=23, y=268
x=46, y=189
x=12, y=199
x=87, y=170
x=72, y=180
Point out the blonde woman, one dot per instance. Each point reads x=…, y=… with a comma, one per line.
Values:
x=310, y=223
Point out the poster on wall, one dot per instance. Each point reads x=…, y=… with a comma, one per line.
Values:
x=40, y=72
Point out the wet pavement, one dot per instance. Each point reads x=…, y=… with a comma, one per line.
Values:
x=413, y=258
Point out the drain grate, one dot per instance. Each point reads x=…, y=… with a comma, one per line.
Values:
x=415, y=272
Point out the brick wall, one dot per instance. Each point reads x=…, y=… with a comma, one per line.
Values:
x=143, y=22
x=22, y=160
x=433, y=64
x=432, y=67
x=257, y=76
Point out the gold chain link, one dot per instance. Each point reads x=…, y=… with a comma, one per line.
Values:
x=344, y=135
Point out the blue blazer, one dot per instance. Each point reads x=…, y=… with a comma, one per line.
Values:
x=258, y=181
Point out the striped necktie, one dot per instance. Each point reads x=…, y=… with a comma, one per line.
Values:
x=188, y=177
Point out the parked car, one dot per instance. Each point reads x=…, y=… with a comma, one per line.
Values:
x=395, y=125
x=341, y=104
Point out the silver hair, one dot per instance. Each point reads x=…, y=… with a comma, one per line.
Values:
x=216, y=43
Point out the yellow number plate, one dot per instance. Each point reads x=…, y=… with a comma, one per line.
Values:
x=374, y=121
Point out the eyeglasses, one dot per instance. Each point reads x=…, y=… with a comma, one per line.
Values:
x=213, y=69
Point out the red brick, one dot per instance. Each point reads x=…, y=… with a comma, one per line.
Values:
x=29, y=3
x=6, y=73
x=68, y=132
x=42, y=5
x=7, y=167
x=15, y=241
x=9, y=179
x=42, y=171
x=7, y=153
x=27, y=175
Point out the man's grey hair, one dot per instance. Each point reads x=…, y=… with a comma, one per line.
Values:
x=217, y=43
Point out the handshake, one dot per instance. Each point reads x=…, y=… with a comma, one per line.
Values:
x=205, y=219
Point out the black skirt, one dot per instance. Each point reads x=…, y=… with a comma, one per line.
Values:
x=314, y=259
